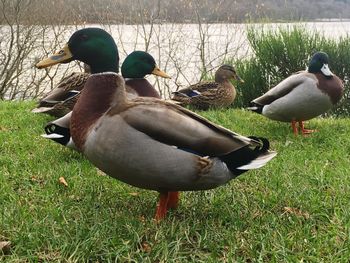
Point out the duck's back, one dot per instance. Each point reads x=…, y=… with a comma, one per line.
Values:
x=304, y=100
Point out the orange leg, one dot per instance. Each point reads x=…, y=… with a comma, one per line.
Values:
x=167, y=200
x=294, y=127
x=303, y=130
x=162, y=206
x=173, y=200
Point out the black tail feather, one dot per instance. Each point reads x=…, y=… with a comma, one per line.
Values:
x=245, y=155
x=51, y=128
x=256, y=107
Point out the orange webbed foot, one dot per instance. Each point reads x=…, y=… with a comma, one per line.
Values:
x=305, y=131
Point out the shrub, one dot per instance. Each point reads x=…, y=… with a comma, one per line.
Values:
x=281, y=51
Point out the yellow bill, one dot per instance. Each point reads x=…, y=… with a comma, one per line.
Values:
x=64, y=55
x=238, y=78
x=156, y=71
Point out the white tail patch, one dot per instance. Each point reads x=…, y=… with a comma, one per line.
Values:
x=52, y=136
x=41, y=109
x=173, y=101
x=196, y=92
x=259, y=162
x=252, y=108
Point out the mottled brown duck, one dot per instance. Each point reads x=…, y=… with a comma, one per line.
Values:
x=211, y=94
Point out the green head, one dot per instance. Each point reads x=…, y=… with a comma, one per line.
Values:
x=138, y=64
x=93, y=46
x=319, y=64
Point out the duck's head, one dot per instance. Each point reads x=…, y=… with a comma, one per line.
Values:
x=319, y=64
x=227, y=72
x=138, y=64
x=93, y=46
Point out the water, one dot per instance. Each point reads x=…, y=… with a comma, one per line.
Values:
x=182, y=50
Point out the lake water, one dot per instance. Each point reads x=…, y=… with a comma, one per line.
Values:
x=182, y=50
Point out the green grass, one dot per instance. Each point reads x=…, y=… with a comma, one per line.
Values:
x=99, y=219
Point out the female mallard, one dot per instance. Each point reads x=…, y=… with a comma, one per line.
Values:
x=147, y=142
x=135, y=67
x=205, y=95
x=61, y=99
x=303, y=95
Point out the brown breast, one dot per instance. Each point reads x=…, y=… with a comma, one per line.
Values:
x=143, y=88
x=95, y=99
x=333, y=86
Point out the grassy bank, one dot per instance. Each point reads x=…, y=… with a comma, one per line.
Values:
x=294, y=209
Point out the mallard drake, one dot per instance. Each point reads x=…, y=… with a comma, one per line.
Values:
x=213, y=94
x=146, y=142
x=135, y=67
x=303, y=95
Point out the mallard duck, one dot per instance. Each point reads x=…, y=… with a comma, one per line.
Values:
x=303, y=95
x=135, y=67
x=146, y=142
x=61, y=99
x=214, y=94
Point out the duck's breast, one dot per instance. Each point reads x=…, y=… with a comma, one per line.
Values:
x=139, y=160
x=304, y=102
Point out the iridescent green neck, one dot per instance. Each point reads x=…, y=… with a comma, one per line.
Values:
x=104, y=66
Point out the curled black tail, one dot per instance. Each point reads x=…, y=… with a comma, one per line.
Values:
x=247, y=158
x=62, y=132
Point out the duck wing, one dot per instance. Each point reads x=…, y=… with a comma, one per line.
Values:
x=174, y=125
x=200, y=89
x=67, y=87
x=285, y=87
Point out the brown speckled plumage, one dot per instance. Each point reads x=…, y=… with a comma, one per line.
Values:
x=74, y=81
x=205, y=95
x=59, y=101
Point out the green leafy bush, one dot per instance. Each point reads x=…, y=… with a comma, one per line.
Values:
x=281, y=51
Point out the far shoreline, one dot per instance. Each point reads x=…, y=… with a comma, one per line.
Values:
x=164, y=22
